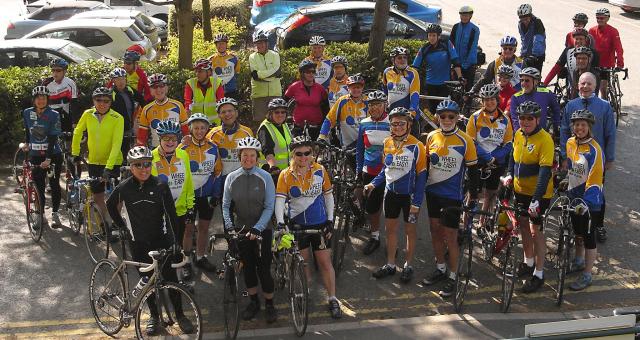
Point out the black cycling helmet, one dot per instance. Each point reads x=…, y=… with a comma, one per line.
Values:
x=583, y=114
x=581, y=17
x=139, y=153
x=131, y=56
x=434, y=28
x=40, y=91
x=102, y=92
x=529, y=108
x=277, y=103
x=401, y=112
x=59, y=62
x=579, y=31
x=300, y=141
x=305, y=65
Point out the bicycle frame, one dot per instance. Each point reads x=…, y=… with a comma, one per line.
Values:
x=513, y=213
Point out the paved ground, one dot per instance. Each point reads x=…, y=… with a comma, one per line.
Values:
x=44, y=286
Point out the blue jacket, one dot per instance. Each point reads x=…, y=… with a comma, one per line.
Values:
x=603, y=131
x=533, y=40
x=435, y=62
x=42, y=131
x=547, y=101
x=465, y=39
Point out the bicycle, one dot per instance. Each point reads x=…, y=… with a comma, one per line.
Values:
x=34, y=209
x=289, y=272
x=561, y=90
x=114, y=305
x=614, y=93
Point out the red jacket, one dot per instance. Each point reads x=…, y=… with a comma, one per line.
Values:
x=608, y=45
x=505, y=97
x=308, y=104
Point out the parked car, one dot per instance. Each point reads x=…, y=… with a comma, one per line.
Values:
x=109, y=37
x=343, y=21
x=269, y=9
x=57, y=11
x=155, y=11
x=142, y=21
x=628, y=6
x=39, y=52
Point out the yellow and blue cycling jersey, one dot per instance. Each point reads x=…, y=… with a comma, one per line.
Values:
x=304, y=194
x=323, y=70
x=529, y=154
x=586, y=172
x=337, y=88
x=206, y=167
x=404, y=168
x=153, y=113
x=227, y=67
x=493, y=133
x=402, y=88
x=346, y=114
x=449, y=156
x=104, y=137
x=176, y=172
x=227, y=142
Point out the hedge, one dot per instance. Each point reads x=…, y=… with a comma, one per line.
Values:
x=238, y=10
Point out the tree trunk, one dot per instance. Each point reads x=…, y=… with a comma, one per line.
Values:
x=206, y=20
x=378, y=34
x=185, y=32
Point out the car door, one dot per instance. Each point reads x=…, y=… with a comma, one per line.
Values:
x=8, y=58
x=32, y=57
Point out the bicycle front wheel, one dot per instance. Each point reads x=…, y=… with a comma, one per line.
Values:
x=72, y=208
x=340, y=240
x=107, y=296
x=95, y=234
x=508, y=277
x=18, y=159
x=299, y=296
x=230, y=303
x=562, y=263
x=35, y=212
x=463, y=273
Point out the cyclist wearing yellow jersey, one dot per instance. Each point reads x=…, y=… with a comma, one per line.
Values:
x=323, y=63
x=530, y=173
x=404, y=176
x=226, y=65
x=105, y=129
x=338, y=83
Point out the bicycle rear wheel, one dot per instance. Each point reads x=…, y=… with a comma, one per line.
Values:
x=95, y=234
x=35, y=212
x=463, y=272
x=230, y=303
x=562, y=263
x=107, y=296
x=72, y=208
x=340, y=240
x=614, y=100
x=299, y=296
x=509, y=268
x=178, y=314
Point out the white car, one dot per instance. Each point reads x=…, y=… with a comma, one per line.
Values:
x=142, y=21
x=109, y=37
x=39, y=52
x=155, y=11
x=627, y=5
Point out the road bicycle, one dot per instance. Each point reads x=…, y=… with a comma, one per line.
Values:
x=34, y=208
x=561, y=89
x=114, y=305
x=614, y=93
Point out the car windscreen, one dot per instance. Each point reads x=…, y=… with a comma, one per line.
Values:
x=80, y=53
x=134, y=34
x=144, y=23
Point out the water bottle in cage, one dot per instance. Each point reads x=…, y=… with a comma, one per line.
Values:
x=143, y=281
x=52, y=170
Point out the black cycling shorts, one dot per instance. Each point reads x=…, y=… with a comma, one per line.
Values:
x=604, y=75
x=493, y=181
x=96, y=170
x=203, y=208
x=581, y=228
x=395, y=203
x=374, y=201
x=448, y=218
x=316, y=241
x=523, y=201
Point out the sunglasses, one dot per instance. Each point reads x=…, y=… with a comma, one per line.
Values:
x=155, y=86
x=300, y=153
x=142, y=165
x=508, y=48
x=397, y=124
x=103, y=101
x=527, y=118
x=450, y=117
x=56, y=70
x=169, y=139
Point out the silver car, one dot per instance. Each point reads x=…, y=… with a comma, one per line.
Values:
x=143, y=22
x=39, y=52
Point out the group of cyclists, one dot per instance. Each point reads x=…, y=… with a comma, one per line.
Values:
x=186, y=159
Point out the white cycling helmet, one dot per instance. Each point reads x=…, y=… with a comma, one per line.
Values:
x=226, y=100
x=531, y=72
x=118, y=72
x=198, y=117
x=524, y=10
x=317, y=40
x=603, y=12
x=489, y=91
x=249, y=143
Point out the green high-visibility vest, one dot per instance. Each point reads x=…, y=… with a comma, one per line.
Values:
x=206, y=103
x=281, y=149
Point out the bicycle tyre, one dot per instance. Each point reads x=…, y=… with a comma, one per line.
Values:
x=95, y=234
x=73, y=209
x=277, y=271
x=230, y=303
x=169, y=325
x=299, y=296
x=340, y=239
x=35, y=212
x=562, y=264
x=463, y=272
x=18, y=160
x=508, y=277
x=100, y=297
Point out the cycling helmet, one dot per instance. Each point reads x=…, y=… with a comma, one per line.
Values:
x=260, y=36
x=583, y=114
x=139, y=153
x=489, y=91
x=377, y=96
x=157, y=78
x=168, y=127
x=602, y=12
x=506, y=70
x=579, y=31
x=59, y=62
x=339, y=60
x=117, y=73
x=198, y=117
x=306, y=64
x=524, y=10
x=528, y=108
x=317, y=40
x=226, y=100
x=448, y=105
x=508, y=40
x=300, y=141
x=531, y=72
x=202, y=64
x=400, y=112
x=131, y=56
x=277, y=103
x=581, y=17
x=249, y=143
x=221, y=37
x=40, y=90
x=434, y=28
x=466, y=9
x=355, y=79
x=102, y=92
x=396, y=51
x=582, y=50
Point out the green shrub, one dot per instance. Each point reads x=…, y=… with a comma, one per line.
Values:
x=237, y=10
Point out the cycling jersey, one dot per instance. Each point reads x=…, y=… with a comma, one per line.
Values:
x=153, y=113
x=464, y=37
x=253, y=196
x=586, y=172
x=490, y=75
x=42, y=131
x=227, y=142
x=402, y=88
x=548, y=103
x=139, y=81
x=505, y=97
x=176, y=172
x=567, y=60
x=337, y=88
x=203, y=100
x=310, y=101
x=324, y=72
x=305, y=194
x=346, y=114
x=370, y=144
x=529, y=154
x=104, y=138
x=493, y=133
x=227, y=67
x=608, y=45
x=533, y=38
x=205, y=167
x=436, y=61
x=449, y=156
x=404, y=168
x=61, y=94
